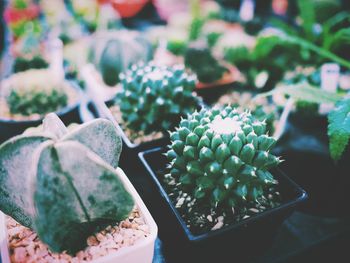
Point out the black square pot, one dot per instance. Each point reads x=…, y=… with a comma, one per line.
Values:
x=241, y=241
x=305, y=148
x=69, y=114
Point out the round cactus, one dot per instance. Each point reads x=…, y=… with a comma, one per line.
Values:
x=199, y=58
x=155, y=97
x=222, y=156
x=114, y=52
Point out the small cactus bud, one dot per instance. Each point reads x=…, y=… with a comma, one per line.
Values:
x=194, y=168
x=216, y=141
x=206, y=155
x=222, y=153
x=266, y=142
x=178, y=147
x=192, y=139
x=247, y=153
x=190, y=152
x=236, y=145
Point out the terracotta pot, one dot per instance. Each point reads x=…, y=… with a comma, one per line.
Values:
x=128, y=8
x=13, y=15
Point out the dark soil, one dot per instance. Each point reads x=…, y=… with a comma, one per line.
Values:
x=201, y=218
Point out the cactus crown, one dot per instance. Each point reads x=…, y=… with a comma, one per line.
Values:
x=222, y=156
x=63, y=184
x=154, y=97
x=35, y=92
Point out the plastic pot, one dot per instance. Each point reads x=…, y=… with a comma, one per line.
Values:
x=128, y=159
x=69, y=114
x=305, y=147
x=253, y=234
x=139, y=252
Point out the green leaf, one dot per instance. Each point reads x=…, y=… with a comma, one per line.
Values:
x=339, y=128
x=308, y=16
x=331, y=39
x=305, y=92
x=307, y=45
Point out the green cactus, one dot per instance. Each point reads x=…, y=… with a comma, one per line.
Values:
x=155, y=97
x=115, y=51
x=23, y=64
x=222, y=157
x=62, y=184
x=199, y=58
x=35, y=91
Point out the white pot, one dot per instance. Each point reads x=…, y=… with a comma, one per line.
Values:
x=142, y=251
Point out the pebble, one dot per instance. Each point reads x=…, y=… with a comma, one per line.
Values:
x=20, y=254
x=180, y=202
x=29, y=249
x=254, y=210
x=219, y=224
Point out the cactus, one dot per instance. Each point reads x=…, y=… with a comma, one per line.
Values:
x=155, y=97
x=222, y=157
x=35, y=92
x=62, y=184
x=113, y=52
x=199, y=59
x=261, y=108
x=23, y=64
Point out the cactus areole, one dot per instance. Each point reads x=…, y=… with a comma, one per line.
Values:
x=222, y=157
x=63, y=184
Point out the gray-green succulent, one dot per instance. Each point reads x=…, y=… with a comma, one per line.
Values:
x=155, y=97
x=63, y=184
x=222, y=156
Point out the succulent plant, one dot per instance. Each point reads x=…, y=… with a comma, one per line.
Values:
x=155, y=97
x=309, y=75
x=260, y=107
x=199, y=59
x=23, y=64
x=62, y=184
x=222, y=157
x=113, y=52
x=35, y=92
